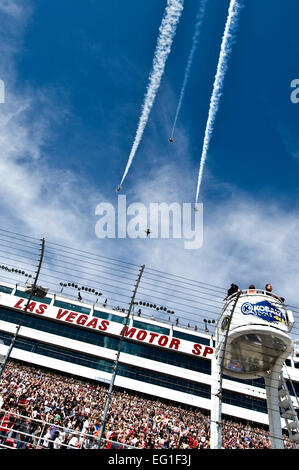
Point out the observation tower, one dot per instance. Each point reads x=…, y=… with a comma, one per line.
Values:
x=253, y=341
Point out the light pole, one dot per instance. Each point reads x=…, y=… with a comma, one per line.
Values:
x=33, y=290
x=209, y=322
x=116, y=362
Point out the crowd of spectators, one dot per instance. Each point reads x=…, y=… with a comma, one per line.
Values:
x=60, y=411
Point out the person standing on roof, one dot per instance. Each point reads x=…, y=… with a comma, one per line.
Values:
x=232, y=290
x=251, y=289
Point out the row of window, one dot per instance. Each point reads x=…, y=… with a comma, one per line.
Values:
x=244, y=401
x=293, y=387
x=166, y=331
x=164, y=356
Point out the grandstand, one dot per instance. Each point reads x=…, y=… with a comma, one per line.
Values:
x=109, y=354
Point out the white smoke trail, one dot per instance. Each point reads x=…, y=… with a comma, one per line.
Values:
x=226, y=46
x=199, y=19
x=167, y=31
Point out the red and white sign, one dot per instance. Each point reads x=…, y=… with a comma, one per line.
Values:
x=113, y=328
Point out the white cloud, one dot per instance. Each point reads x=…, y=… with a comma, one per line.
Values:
x=11, y=8
x=245, y=240
x=37, y=199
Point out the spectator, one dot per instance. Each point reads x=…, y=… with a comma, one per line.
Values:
x=46, y=439
x=73, y=442
x=36, y=436
x=268, y=288
x=232, y=290
x=5, y=423
x=251, y=289
x=22, y=435
x=73, y=407
x=57, y=440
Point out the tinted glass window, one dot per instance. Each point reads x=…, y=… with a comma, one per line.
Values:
x=154, y=328
x=6, y=290
x=109, y=316
x=192, y=338
x=73, y=307
x=25, y=295
x=244, y=401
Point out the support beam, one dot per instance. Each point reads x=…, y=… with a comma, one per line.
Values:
x=271, y=384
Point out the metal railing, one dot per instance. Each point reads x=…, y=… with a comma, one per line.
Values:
x=255, y=291
x=13, y=435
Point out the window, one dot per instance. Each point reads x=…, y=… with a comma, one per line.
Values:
x=154, y=328
x=73, y=307
x=293, y=387
x=192, y=338
x=6, y=290
x=244, y=401
x=167, y=357
x=109, y=316
x=157, y=378
x=253, y=382
x=25, y=295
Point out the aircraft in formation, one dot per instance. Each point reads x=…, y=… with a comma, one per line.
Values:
x=119, y=187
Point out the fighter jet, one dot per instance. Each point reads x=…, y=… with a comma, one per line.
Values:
x=170, y=139
x=118, y=189
x=196, y=208
x=147, y=231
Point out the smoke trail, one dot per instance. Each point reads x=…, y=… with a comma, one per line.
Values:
x=226, y=46
x=199, y=20
x=166, y=34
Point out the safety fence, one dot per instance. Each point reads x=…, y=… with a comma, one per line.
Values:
x=23, y=432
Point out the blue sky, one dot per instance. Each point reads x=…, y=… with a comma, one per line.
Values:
x=76, y=73
x=97, y=58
